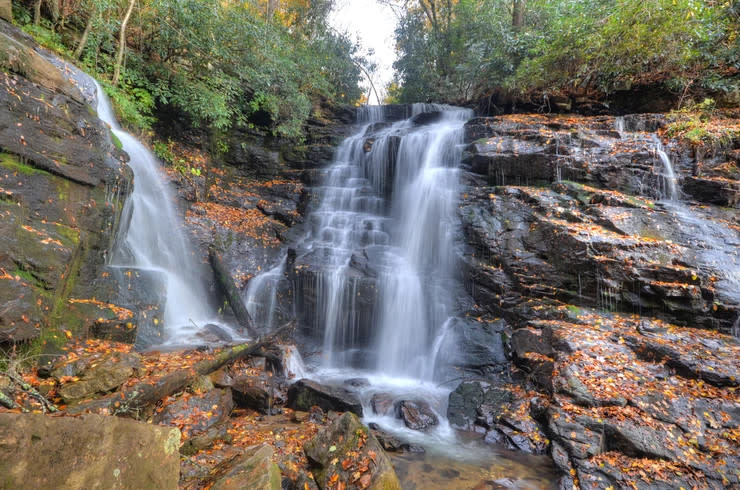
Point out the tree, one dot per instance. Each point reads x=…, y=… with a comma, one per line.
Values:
x=122, y=41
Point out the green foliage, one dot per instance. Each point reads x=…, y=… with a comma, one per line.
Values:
x=604, y=45
x=165, y=152
x=133, y=105
x=46, y=37
x=223, y=64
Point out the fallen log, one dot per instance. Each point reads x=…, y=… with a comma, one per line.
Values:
x=231, y=292
x=134, y=401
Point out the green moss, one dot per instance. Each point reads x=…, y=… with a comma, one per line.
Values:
x=574, y=310
x=116, y=142
x=70, y=234
x=27, y=276
x=15, y=164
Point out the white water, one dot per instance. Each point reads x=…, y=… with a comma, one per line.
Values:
x=391, y=205
x=669, y=185
x=155, y=241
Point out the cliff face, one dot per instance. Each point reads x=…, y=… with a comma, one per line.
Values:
x=622, y=307
x=62, y=187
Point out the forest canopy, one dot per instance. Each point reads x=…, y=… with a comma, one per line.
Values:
x=460, y=50
x=222, y=63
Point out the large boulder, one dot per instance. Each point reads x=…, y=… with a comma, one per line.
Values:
x=89, y=451
x=305, y=393
x=347, y=452
x=6, y=10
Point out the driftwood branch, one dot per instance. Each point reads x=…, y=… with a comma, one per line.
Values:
x=7, y=401
x=231, y=291
x=134, y=400
x=46, y=405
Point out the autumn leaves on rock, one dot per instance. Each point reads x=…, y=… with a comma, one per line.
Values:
x=573, y=246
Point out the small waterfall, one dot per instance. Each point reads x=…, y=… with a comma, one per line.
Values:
x=669, y=186
x=155, y=241
x=619, y=126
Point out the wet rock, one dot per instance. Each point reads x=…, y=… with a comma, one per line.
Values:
x=357, y=382
x=248, y=394
x=221, y=378
x=214, y=333
x=427, y=118
x=717, y=191
x=476, y=347
x=202, y=441
x=476, y=402
x=254, y=470
x=416, y=414
x=695, y=358
x=98, y=376
x=206, y=411
x=387, y=441
x=342, y=440
x=63, y=193
x=382, y=403
x=84, y=451
x=305, y=393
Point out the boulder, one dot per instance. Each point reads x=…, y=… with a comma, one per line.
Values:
x=6, y=10
x=206, y=411
x=305, y=393
x=204, y=440
x=254, y=470
x=98, y=376
x=88, y=451
x=416, y=414
x=475, y=401
x=382, y=403
x=346, y=451
x=248, y=394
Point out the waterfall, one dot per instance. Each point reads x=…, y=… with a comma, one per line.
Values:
x=155, y=241
x=372, y=272
x=669, y=187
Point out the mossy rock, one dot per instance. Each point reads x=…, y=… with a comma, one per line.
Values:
x=337, y=451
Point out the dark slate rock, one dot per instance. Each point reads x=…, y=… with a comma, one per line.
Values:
x=416, y=414
x=305, y=393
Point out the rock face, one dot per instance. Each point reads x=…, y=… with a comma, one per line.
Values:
x=305, y=393
x=571, y=218
x=100, y=376
x=90, y=451
x=345, y=449
x=264, y=190
x=604, y=288
x=62, y=187
x=254, y=470
x=210, y=410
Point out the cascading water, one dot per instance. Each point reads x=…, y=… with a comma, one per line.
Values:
x=669, y=186
x=154, y=240
x=374, y=274
x=387, y=205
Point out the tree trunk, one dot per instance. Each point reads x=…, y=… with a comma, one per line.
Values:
x=85, y=34
x=122, y=42
x=231, y=291
x=37, y=13
x=517, y=17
